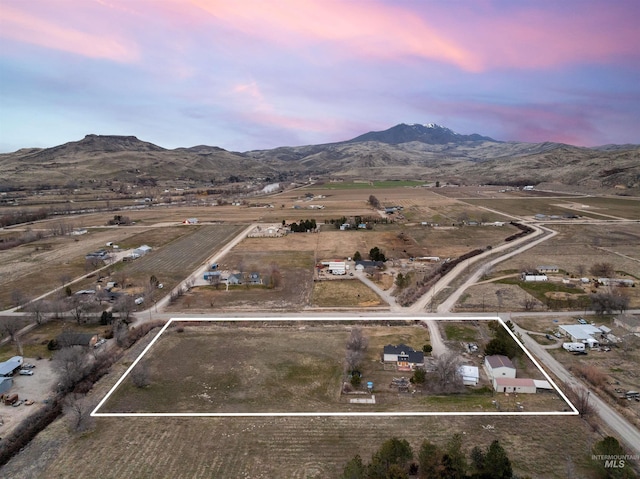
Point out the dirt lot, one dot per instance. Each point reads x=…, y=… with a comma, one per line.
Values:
x=344, y=293
x=36, y=388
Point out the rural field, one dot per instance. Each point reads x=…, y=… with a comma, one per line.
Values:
x=288, y=447
x=280, y=367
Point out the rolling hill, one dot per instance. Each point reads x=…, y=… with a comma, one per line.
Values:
x=404, y=151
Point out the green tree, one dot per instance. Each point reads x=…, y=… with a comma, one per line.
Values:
x=496, y=463
x=419, y=376
x=454, y=461
x=376, y=255
x=354, y=469
x=393, y=451
x=429, y=460
x=427, y=349
x=357, y=256
x=609, y=446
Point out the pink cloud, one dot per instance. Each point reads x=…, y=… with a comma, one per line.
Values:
x=472, y=36
x=363, y=28
x=28, y=28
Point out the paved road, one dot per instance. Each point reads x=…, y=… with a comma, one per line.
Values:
x=625, y=430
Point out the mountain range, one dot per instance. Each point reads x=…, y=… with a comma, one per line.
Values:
x=405, y=151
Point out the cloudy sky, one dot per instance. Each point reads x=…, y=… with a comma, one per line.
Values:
x=249, y=74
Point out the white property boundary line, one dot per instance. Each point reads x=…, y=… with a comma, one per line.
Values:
x=573, y=411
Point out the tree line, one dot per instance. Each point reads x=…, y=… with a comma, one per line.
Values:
x=395, y=459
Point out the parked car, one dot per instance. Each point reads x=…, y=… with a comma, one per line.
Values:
x=582, y=321
x=26, y=372
x=549, y=337
x=139, y=300
x=28, y=366
x=100, y=343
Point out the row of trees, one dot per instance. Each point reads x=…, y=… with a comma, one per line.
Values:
x=396, y=460
x=304, y=226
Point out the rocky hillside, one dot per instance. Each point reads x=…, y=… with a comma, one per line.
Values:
x=426, y=152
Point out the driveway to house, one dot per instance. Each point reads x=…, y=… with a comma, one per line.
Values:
x=144, y=316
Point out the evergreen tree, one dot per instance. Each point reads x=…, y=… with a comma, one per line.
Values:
x=354, y=469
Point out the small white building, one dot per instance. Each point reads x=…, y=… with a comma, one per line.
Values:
x=498, y=366
x=470, y=375
x=141, y=251
x=533, y=277
x=514, y=385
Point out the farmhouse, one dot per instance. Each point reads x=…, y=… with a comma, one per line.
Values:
x=405, y=357
x=368, y=264
x=70, y=338
x=514, y=385
x=470, y=375
x=10, y=366
x=548, y=269
x=498, y=366
x=235, y=278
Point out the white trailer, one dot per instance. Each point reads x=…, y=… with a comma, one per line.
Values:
x=573, y=347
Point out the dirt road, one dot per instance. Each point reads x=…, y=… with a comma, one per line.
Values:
x=623, y=429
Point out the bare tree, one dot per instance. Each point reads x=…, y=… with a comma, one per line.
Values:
x=581, y=269
x=352, y=360
x=10, y=327
x=446, y=373
x=125, y=306
x=78, y=410
x=71, y=364
x=17, y=297
x=140, y=376
x=529, y=303
x=580, y=399
x=357, y=341
x=37, y=309
x=602, y=270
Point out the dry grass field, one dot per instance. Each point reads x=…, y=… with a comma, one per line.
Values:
x=280, y=367
x=344, y=293
x=293, y=448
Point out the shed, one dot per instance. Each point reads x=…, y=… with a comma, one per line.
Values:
x=580, y=333
x=498, y=366
x=141, y=250
x=470, y=375
x=5, y=384
x=514, y=385
x=10, y=366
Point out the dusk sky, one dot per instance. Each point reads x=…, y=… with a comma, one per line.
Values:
x=246, y=75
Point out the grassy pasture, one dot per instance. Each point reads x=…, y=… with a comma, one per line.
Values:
x=533, y=206
x=358, y=185
x=344, y=293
